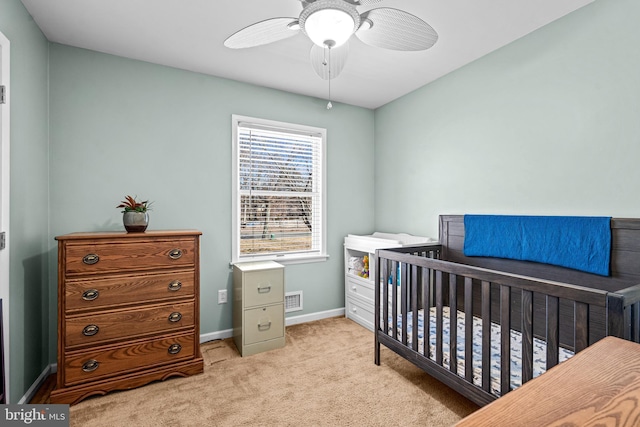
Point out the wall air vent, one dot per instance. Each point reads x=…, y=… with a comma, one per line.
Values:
x=293, y=301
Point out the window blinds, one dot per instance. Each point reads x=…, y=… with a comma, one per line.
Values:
x=279, y=179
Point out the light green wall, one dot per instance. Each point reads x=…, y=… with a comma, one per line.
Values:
x=29, y=238
x=121, y=127
x=546, y=125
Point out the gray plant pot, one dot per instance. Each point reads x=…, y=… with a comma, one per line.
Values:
x=135, y=222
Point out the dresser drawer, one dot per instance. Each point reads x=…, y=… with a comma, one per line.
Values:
x=92, y=294
x=361, y=289
x=98, y=328
x=263, y=287
x=102, y=363
x=103, y=257
x=263, y=323
x=360, y=312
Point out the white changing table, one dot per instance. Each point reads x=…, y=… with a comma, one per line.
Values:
x=359, y=291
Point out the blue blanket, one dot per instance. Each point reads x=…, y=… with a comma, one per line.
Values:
x=581, y=243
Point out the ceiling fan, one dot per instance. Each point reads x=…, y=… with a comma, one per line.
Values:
x=329, y=24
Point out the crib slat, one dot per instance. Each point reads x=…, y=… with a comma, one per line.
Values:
x=394, y=299
x=628, y=320
x=527, y=336
x=468, y=329
x=635, y=332
x=616, y=319
x=553, y=333
x=426, y=304
x=453, y=324
x=505, y=339
x=414, y=307
x=439, y=306
x=384, y=300
x=376, y=317
x=581, y=326
x=486, y=336
x=403, y=301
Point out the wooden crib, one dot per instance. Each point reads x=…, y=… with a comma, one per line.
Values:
x=513, y=319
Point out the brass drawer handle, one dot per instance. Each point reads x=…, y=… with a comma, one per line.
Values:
x=91, y=259
x=90, y=330
x=175, y=285
x=90, y=294
x=174, y=348
x=90, y=365
x=264, y=289
x=264, y=326
x=175, y=253
x=175, y=317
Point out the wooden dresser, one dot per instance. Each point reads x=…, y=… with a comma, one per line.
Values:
x=128, y=310
x=599, y=386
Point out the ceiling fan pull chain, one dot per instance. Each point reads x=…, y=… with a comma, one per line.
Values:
x=329, y=105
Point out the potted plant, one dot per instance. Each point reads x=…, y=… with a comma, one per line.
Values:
x=135, y=216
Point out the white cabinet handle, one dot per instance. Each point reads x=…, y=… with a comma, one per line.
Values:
x=354, y=309
x=354, y=288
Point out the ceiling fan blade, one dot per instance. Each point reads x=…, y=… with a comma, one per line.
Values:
x=306, y=3
x=328, y=63
x=396, y=30
x=260, y=33
x=364, y=2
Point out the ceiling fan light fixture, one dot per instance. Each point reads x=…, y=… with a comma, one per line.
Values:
x=366, y=25
x=295, y=25
x=329, y=25
x=329, y=22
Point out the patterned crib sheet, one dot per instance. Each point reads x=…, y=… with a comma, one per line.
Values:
x=539, y=347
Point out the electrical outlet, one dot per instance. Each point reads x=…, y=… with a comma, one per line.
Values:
x=222, y=296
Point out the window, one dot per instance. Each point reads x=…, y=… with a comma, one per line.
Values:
x=278, y=191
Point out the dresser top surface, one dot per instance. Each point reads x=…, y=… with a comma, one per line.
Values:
x=126, y=235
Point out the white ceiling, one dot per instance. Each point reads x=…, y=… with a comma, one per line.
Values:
x=189, y=34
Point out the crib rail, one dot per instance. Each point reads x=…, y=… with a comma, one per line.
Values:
x=627, y=300
x=410, y=279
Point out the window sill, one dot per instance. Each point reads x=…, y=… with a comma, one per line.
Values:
x=285, y=260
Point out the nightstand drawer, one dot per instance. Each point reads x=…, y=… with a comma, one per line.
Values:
x=122, y=290
x=263, y=323
x=263, y=287
x=98, y=328
x=104, y=257
x=107, y=361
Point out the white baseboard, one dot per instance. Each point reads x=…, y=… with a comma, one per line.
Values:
x=219, y=335
x=304, y=318
x=37, y=383
x=292, y=320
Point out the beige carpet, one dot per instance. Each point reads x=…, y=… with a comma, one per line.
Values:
x=325, y=376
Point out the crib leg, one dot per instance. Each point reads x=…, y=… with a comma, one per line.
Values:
x=376, y=352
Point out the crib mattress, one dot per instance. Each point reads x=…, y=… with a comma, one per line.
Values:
x=539, y=347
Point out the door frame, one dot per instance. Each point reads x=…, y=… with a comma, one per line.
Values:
x=4, y=213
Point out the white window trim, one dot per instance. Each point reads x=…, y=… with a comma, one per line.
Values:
x=235, y=202
x=5, y=263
